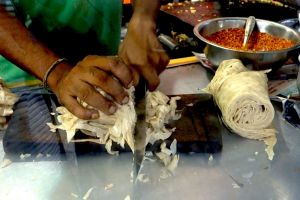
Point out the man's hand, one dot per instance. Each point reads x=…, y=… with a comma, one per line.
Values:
x=107, y=73
x=67, y=82
x=141, y=49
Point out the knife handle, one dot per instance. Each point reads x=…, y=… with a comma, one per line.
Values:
x=140, y=89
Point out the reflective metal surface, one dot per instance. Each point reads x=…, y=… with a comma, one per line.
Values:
x=250, y=23
x=140, y=128
x=240, y=171
x=260, y=59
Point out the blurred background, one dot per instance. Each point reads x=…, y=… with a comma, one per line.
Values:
x=177, y=18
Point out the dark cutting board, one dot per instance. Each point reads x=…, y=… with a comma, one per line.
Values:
x=198, y=130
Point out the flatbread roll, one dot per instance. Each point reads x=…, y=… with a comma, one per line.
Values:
x=243, y=99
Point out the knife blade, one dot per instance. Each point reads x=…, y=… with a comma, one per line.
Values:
x=140, y=128
x=204, y=61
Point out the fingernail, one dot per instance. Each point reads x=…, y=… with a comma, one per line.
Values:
x=112, y=109
x=125, y=100
x=95, y=116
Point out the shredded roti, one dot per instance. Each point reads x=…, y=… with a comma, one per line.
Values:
x=106, y=129
x=7, y=101
x=119, y=127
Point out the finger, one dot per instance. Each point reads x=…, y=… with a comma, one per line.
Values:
x=163, y=62
x=136, y=76
x=78, y=110
x=110, y=64
x=159, y=58
x=151, y=76
x=158, y=62
x=148, y=72
x=134, y=73
x=93, y=98
x=107, y=83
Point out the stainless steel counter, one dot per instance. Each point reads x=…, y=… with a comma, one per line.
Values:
x=240, y=171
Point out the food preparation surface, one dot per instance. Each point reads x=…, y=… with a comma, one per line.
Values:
x=241, y=171
x=193, y=13
x=199, y=128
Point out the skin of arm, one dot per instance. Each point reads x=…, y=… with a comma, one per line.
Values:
x=141, y=49
x=68, y=82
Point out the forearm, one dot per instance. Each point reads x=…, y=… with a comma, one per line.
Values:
x=146, y=8
x=141, y=49
x=20, y=47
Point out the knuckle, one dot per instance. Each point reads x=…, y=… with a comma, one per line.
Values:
x=85, y=93
x=114, y=62
x=79, y=68
x=106, y=104
x=62, y=96
x=88, y=57
x=105, y=78
x=121, y=94
x=92, y=71
x=111, y=62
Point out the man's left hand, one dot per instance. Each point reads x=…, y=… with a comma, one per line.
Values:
x=142, y=51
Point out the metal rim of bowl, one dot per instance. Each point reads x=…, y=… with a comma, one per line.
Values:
x=201, y=24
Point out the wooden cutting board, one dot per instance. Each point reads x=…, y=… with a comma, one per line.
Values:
x=198, y=130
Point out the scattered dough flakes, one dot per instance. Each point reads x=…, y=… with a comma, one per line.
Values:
x=74, y=195
x=5, y=162
x=143, y=178
x=235, y=186
x=52, y=127
x=87, y=194
x=127, y=197
x=168, y=157
x=109, y=186
x=24, y=156
x=160, y=110
x=210, y=157
x=270, y=143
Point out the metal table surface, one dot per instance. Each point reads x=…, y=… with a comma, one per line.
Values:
x=240, y=171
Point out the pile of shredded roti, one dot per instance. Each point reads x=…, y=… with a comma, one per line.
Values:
x=7, y=101
x=119, y=127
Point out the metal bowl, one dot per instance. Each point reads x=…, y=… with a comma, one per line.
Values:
x=292, y=23
x=258, y=59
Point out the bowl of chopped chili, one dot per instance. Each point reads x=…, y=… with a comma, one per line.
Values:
x=270, y=45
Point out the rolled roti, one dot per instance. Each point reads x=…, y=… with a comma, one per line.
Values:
x=243, y=99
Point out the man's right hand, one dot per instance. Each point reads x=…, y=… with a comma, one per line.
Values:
x=67, y=82
x=107, y=73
